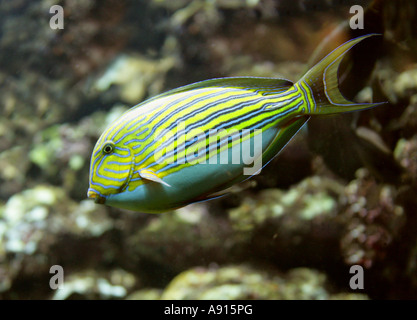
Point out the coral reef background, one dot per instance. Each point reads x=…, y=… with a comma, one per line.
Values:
x=342, y=193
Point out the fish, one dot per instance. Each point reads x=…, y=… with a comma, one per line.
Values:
x=195, y=142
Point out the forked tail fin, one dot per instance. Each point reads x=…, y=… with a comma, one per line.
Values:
x=321, y=84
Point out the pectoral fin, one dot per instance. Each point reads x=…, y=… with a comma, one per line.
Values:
x=152, y=176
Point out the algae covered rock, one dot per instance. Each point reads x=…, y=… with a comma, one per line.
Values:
x=93, y=284
x=288, y=226
x=37, y=230
x=145, y=294
x=136, y=77
x=239, y=282
x=310, y=198
x=185, y=237
x=406, y=155
x=373, y=220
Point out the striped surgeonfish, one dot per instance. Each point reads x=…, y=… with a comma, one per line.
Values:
x=192, y=143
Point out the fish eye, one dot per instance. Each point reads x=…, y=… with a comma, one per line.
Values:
x=108, y=147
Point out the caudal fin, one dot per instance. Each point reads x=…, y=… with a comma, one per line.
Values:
x=321, y=84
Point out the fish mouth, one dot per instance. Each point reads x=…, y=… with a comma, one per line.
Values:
x=98, y=198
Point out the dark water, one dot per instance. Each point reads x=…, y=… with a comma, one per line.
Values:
x=341, y=194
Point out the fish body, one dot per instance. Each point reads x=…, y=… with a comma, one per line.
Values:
x=192, y=143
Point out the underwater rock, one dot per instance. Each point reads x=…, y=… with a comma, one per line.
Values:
x=93, y=284
x=60, y=154
x=38, y=225
x=403, y=91
x=47, y=62
x=373, y=220
x=304, y=201
x=145, y=294
x=405, y=85
x=136, y=76
x=200, y=237
x=289, y=227
x=406, y=155
x=47, y=209
x=408, y=120
x=13, y=167
x=240, y=282
x=399, y=22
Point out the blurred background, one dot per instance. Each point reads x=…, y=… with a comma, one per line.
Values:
x=342, y=193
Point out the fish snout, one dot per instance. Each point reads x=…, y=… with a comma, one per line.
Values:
x=92, y=194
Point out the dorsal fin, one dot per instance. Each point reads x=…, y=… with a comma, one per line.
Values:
x=264, y=85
